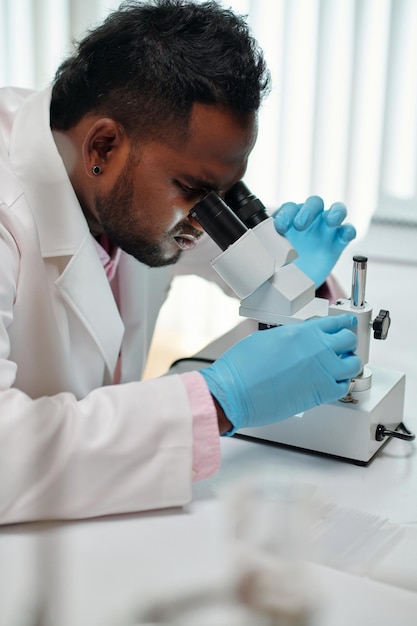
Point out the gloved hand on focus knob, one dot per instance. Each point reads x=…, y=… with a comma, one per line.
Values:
x=318, y=236
x=276, y=373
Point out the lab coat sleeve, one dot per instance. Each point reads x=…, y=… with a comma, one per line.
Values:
x=118, y=449
x=66, y=459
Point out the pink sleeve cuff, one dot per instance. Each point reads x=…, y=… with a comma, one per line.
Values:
x=206, y=447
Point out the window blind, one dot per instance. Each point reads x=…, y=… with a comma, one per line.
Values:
x=340, y=121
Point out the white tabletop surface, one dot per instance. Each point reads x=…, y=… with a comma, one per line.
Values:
x=103, y=572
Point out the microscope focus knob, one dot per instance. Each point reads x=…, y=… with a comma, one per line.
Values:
x=381, y=324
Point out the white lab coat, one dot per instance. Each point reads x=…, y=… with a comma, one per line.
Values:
x=73, y=445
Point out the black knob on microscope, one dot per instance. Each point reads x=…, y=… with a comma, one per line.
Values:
x=381, y=324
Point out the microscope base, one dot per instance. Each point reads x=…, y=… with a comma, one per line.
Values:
x=343, y=430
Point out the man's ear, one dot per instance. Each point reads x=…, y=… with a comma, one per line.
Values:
x=105, y=147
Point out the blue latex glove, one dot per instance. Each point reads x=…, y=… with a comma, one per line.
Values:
x=319, y=236
x=275, y=373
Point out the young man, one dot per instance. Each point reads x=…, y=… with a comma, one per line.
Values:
x=97, y=177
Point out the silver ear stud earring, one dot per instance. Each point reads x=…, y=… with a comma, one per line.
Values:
x=96, y=170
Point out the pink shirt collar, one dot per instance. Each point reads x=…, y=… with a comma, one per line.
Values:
x=109, y=261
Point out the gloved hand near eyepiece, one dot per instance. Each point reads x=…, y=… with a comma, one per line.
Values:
x=319, y=236
x=276, y=373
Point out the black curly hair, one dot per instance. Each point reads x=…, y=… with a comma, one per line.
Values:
x=150, y=61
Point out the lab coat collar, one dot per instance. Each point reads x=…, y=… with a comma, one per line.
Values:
x=62, y=227
x=41, y=171
x=85, y=288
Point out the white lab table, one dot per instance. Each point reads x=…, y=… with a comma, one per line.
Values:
x=101, y=572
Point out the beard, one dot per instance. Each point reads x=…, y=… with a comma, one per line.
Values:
x=119, y=215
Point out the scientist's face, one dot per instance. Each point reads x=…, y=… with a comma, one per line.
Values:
x=146, y=211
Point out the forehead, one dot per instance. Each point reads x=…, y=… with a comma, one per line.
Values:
x=215, y=150
x=220, y=133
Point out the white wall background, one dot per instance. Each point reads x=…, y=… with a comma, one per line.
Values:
x=341, y=120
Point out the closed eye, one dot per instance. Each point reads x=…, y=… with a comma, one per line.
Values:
x=191, y=191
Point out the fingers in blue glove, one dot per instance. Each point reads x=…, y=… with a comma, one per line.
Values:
x=308, y=212
x=318, y=236
x=343, y=342
x=346, y=367
x=334, y=219
x=346, y=234
x=336, y=214
x=299, y=216
x=351, y=366
x=284, y=216
x=334, y=323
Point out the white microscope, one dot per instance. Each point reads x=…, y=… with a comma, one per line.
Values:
x=256, y=262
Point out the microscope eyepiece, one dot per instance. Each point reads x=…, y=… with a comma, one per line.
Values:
x=246, y=205
x=218, y=220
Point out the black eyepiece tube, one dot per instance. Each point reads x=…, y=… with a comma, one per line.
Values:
x=218, y=220
x=246, y=205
